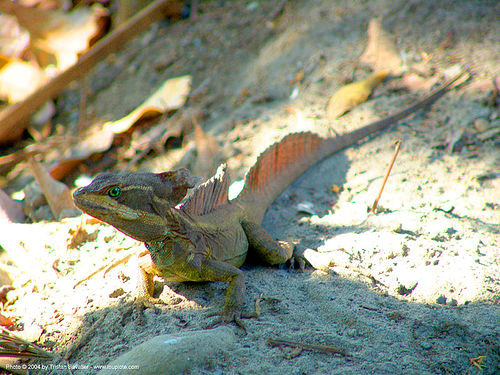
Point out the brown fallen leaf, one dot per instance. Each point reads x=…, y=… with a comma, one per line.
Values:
x=349, y=96
x=4, y=290
x=208, y=148
x=415, y=82
x=18, y=79
x=81, y=235
x=170, y=96
x=14, y=39
x=10, y=210
x=449, y=39
x=57, y=37
x=381, y=52
x=6, y=321
x=57, y=194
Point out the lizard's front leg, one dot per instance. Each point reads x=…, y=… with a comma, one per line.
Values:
x=146, y=273
x=212, y=270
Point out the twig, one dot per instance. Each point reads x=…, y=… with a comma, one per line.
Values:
x=158, y=135
x=304, y=346
x=108, y=267
x=394, y=156
x=81, y=339
x=88, y=277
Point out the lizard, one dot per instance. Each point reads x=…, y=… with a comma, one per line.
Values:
x=208, y=236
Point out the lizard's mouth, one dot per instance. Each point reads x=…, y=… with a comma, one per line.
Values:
x=87, y=205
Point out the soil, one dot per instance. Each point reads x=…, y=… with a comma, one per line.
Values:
x=412, y=289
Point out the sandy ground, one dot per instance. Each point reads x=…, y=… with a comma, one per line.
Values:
x=413, y=289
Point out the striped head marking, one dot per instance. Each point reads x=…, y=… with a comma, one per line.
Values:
x=134, y=203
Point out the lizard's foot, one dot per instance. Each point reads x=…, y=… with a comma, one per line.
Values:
x=229, y=316
x=225, y=318
x=139, y=304
x=146, y=302
x=298, y=257
x=302, y=255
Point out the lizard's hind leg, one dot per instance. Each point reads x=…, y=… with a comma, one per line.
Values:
x=271, y=251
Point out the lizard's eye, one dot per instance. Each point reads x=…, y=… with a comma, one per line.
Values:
x=114, y=192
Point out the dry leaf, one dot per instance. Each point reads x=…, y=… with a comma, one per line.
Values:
x=351, y=95
x=18, y=79
x=171, y=95
x=6, y=321
x=57, y=194
x=381, y=52
x=416, y=82
x=57, y=37
x=335, y=189
x=208, y=149
x=81, y=235
x=14, y=40
x=10, y=210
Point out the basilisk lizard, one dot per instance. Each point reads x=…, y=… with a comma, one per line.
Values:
x=207, y=237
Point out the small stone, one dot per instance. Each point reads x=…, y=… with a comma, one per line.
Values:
x=397, y=228
x=353, y=332
x=174, y=354
x=117, y=293
x=441, y=300
x=481, y=124
x=450, y=231
x=452, y=302
x=426, y=345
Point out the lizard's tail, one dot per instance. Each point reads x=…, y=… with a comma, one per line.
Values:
x=285, y=161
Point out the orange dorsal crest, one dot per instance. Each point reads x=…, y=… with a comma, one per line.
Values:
x=209, y=195
x=280, y=160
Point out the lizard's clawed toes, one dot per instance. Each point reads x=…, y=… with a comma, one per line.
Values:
x=225, y=319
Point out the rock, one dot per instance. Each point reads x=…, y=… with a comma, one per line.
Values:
x=441, y=300
x=426, y=345
x=481, y=124
x=173, y=354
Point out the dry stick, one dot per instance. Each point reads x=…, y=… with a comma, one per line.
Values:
x=304, y=346
x=12, y=118
x=394, y=156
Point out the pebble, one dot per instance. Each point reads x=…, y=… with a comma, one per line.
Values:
x=441, y=300
x=426, y=345
x=481, y=124
x=173, y=354
x=353, y=332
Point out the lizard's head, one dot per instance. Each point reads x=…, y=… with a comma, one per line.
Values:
x=134, y=203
